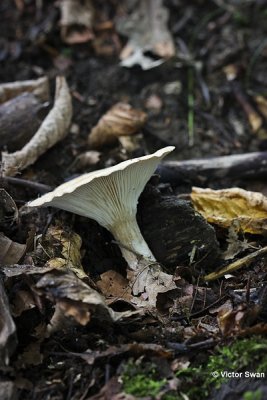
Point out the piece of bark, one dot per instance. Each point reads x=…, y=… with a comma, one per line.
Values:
x=8, y=337
x=199, y=171
x=19, y=120
x=53, y=129
x=39, y=87
x=175, y=232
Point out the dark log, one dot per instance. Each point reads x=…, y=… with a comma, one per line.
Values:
x=19, y=120
x=200, y=171
x=175, y=232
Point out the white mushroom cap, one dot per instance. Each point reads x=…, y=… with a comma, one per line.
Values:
x=105, y=195
x=110, y=197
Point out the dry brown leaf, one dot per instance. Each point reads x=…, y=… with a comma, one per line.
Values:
x=223, y=207
x=120, y=120
x=66, y=250
x=10, y=252
x=76, y=13
x=75, y=298
x=87, y=159
x=23, y=301
x=39, y=87
x=131, y=143
x=151, y=282
x=53, y=129
x=114, y=285
x=235, y=321
x=148, y=31
x=65, y=309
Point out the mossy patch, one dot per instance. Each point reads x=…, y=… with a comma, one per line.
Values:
x=242, y=355
x=143, y=379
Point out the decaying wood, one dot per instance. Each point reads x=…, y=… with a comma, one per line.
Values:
x=19, y=120
x=53, y=129
x=39, y=87
x=199, y=171
x=174, y=231
x=8, y=338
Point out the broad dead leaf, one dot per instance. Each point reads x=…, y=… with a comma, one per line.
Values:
x=147, y=30
x=10, y=252
x=75, y=298
x=150, y=281
x=235, y=320
x=120, y=120
x=76, y=13
x=66, y=250
x=114, y=286
x=223, y=207
x=39, y=87
x=53, y=129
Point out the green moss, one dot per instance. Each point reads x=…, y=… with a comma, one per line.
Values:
x=245, y=354
x=256, y=395
x=141, y=380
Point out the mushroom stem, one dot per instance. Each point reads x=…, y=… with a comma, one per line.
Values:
x=131, y=242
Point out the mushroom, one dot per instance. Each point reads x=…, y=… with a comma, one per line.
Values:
x=110, y=197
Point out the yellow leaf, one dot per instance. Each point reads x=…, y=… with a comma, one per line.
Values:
x=248, y=210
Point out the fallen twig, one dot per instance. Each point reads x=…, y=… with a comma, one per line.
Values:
x=38, y=187
x=243, y=262
x=201, y=170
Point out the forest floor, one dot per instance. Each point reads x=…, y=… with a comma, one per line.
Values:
x=194, y=73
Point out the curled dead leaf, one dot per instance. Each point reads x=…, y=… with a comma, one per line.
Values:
x=147, y=30
x=53, y=129
x=76, y=13
x=120, y=120
x=39, y=87
x=223, y=207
